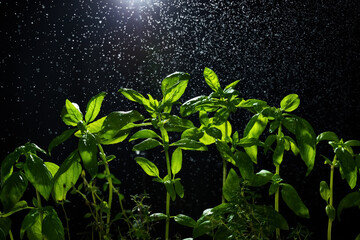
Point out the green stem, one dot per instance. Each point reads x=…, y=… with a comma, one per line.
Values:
x=66, y=219
x=331, y=199
x=109, y=180
x=224, y=165
x=277, y=203
x=10, y=235
x=38, y=197
x=167, y=226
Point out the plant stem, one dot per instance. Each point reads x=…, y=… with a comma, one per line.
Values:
x=38, y=197
x=224, y=165
x=10, y=235
x=109, y=180
x=277, y=202
x=67, y=220
x=331, y=198
x=167, y=226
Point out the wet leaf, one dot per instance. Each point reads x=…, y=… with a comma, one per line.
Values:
x=13, y=190
x=88, y=152
x=176, y=161
x=189, y=144
x=71, y=114
x=245, y=165
x=144, y=133
x=173, y=86
x=61, y=138
x=347, y=166
x=327, y=136
x=185, y=220
x=148, y=166
x=293, y=200
x=212, y=80
x=324, y=191
x=232, y=186
x=93, y=107
x=52, y=227
x=330, y=212
x=146, y=145
x=290, y=103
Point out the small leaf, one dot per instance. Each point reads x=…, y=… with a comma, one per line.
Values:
x=352, y=143
x=273, y=188
x=347, y=166
x=176, y=161
x=185, y=220
x=148, y=167
x=192, y=133
x=173, y=86
x=350, y=200
x=38, y=174
x=232, y=85
x=290, y=103
x=170, y=189
x=8, y=162
x=158, y=216
x=134, y=96
x=279, y=153
x=293, y=200
x=146, y=145
x=177, y=124
x=221, y=116
x=13, y=190
x=330, y=212
x=93, y=107
x=327, y=136
x=61, y=138
x=179, y=189
x=274, y=218
x=261, y=178
x=144, y=133
x=189, y=144
x=88, y=151
x=212, y=80
x=231, y=187
x=93, y=127
x=52, y=227
x=324, y=191
x=71, y=114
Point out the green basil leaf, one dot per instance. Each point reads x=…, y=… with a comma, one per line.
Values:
x=5, y=227
x=134, y=96
x=173, y=86
x=148, y=166
x=290, y=103
x=52, y=227
x=185, y=220
x=88, y=151
x=144, y=133
x=261, y=178
x=245, y=165
x=330, y=212
x=293, y=200
x=274, y=218
x=347, y=166
x=93, y=107
x=38, y=174
x=177, y=124
x=212, y=80
x=179, y=189
x=221, y=116
x=232, y=85
x=71, y=114
x=176, y=161
x=61, y=138
x=169, y=185
x=192, y=133
x=31, y=219
x=158, y=216
x=327, y=136
x=189, y=144
x=214, y=132
x=8, y=163
x=324, y=191
x=353, y=143
x=67, y=176
x=146, y=145
x=13, y=190
x=231, y=187
x=350, y=200
x=279, y=152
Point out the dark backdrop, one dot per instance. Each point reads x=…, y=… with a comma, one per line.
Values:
x=54, y=50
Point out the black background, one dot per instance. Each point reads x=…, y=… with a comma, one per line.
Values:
x=57, y=50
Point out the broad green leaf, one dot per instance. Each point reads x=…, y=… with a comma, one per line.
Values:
x=93, y=107
x=192, y=133
x=347, y=166
x=254, y=129
x=144, y=133
x=13, y=190
x=61, y=138
x=185, y=220
x=134, y=96
x=330, y=212
x=146, y=145
x=88, y=151
x=225, y=128
x=176, y=161
x=93, y=127
x=221, y=116
x=158, y=216
x=232, y=85
x=253, y=105
x=120, y=136
x=202, y=228
x=52, y=167
x=353, y=143
x=177, y=124
x=305, y=138
x=212, y=80
x=293, y=200
x=327, y=136
x=274, y=218
x=67, y=176
x=173, y=86
x=279, y=152
x=148, y=166
x=8, y=163
x=273, y=188
x=179, y=189
x=5, y=227
x=52, y=227
x=71, y=114
x=203, y=118
x=261, y=178
x=293, y=146
x=38, y=174
x=214, y=132
x=324, y=191
x=245, y=165
x=248, y=142
x=199, y=103
x=269, y=141
x=31, y=219
x=189, y=144
x=169, y=185
x=225, y=151
x=231, y=188
x=115, y=123
x=290, y=103
x=19, y=206
x=350, y=200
